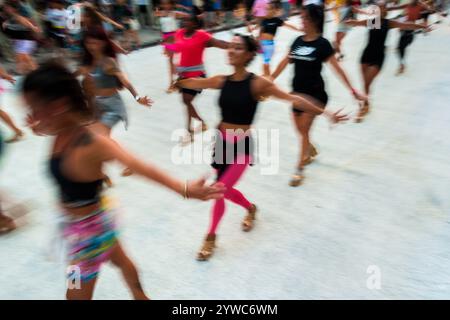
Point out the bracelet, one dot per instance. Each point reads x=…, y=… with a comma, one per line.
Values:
x=137, y=98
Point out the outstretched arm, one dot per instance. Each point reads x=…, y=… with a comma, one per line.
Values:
x=112, y=68
x=213, y=42
x=337, y=67
x=107, y=149
x=215, y=82
x=291, y=26
x=406, y=25
x=281, y=66
x=298, y=102
x=356, y=23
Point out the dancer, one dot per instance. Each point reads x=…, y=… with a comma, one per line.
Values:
x=169, y=25
x=308, y=53
x=104, y=78
x=18, y=134
x=21, y=29
x=239, y=97
x=58, y=108
x=268, y=29
x=346, y=11
x=190, y=42
x=413, y=11
x=373, y=56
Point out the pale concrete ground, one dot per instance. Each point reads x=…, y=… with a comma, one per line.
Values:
x=377, y=195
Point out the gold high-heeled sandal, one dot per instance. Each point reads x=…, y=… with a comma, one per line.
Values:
x=248, y=222
x=207, y=249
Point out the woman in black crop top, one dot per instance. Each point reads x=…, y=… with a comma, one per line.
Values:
x=373, y=56
x=58, y=108
x=308, y=53
x=268, y=29
x=233, y=152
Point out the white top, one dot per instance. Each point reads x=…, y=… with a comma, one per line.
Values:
x=168, y=23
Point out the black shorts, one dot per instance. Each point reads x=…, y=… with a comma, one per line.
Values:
x=143, y=9
x=373, y=58
x=226, y=152
x=192, y=92
x=425, y=14
x=59, y=40
x=319, y=97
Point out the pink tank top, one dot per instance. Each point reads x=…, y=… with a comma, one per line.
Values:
x=191, y=50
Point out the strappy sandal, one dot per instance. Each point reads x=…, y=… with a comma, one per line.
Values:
x=297, y=178
x=248, y=222
x=187, y=139
x=363, y=111
x=171, y=89
x=17, y=137
x=6, y=224
x=207, y=249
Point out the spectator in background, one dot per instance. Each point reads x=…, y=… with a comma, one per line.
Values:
x=143, y=16
x=123, y=14
x=286, y=9
x=21, y=29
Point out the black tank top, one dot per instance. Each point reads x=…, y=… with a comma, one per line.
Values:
x=377, y=37
x=74, y=194
x=236, y=101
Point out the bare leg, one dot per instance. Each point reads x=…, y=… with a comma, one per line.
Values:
x=86, y=291
x=192, y=113
x=129, y=272
x=266, y=69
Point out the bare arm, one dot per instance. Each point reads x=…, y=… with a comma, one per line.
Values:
x=281, y=66
x=112, y=68
x=341, y=73
x=406, y=25
x=299, y=103
x=291, y=26
x=356, y=23
x=5, y=75
x=213, y=42
x=403, y=6
x=106, y=150
x=215, y=82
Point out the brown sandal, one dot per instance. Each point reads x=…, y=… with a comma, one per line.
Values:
x=6, y=224
x=297, y=178
x=208, y=248
x=248, y=222
x=17, y=137
x=363, y=111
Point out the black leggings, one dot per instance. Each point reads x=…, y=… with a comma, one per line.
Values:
x=406, y=39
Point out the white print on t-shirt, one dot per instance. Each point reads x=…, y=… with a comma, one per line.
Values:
x=301, y=53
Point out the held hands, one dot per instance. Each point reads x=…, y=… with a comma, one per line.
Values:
x=198, y=189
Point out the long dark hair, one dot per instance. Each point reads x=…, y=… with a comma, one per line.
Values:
x=98, y=34
x=52, y=81
x=251, y=45
x=317, y=16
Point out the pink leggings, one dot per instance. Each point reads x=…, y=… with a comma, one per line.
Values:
x=230, y=177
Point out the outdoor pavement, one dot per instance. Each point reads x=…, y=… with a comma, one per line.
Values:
x=370, y=222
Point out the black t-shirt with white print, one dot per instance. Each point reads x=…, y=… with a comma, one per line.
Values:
x=308, y=57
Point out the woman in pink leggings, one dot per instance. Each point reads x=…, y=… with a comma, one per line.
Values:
x=240, y=94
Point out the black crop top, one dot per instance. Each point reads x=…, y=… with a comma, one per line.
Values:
x=74, y=194
x=236, y=101
x=271, y=25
